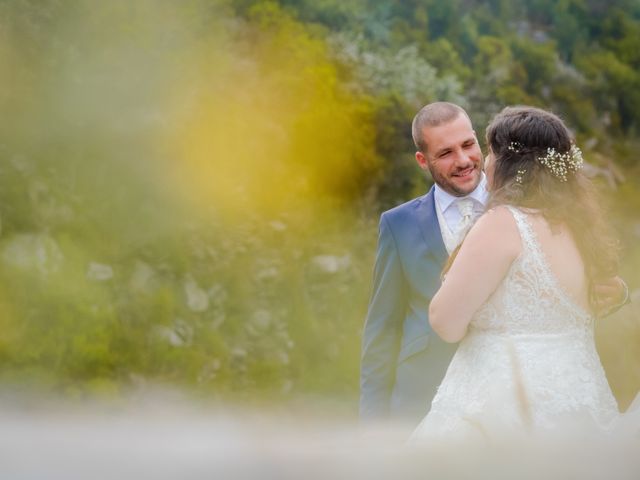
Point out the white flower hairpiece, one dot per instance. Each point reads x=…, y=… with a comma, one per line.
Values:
x=515, y=147
x=562, y=163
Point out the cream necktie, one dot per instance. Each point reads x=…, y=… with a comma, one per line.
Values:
x=465, y=207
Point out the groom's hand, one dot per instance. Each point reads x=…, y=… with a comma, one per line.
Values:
x=610, y=295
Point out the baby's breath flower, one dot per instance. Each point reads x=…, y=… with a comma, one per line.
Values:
x=515, y=147
x=562, y=163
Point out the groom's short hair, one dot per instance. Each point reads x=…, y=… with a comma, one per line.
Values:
x=432, y=115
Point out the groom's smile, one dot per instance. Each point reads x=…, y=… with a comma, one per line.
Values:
x=465, y=173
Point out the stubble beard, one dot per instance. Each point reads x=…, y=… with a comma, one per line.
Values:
x=450, y=187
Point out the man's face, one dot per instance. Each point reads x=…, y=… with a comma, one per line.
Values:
x=453, y=156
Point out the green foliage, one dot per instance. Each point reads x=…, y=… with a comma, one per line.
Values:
x=288, y=122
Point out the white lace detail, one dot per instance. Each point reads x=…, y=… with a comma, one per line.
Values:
x=528, y=359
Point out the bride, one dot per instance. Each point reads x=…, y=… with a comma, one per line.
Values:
x=518, y=295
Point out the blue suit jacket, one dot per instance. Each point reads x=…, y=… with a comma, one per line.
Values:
x=403, y=361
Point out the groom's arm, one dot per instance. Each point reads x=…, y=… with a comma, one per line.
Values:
x=382, y=331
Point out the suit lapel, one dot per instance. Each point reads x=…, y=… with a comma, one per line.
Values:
x=428, y=221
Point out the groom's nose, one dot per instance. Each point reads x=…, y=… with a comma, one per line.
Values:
x=462, y=158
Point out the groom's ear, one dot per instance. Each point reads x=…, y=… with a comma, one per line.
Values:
x=422, y=160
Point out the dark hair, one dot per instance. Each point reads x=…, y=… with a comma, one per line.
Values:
x=432, y=115
x=518, y=138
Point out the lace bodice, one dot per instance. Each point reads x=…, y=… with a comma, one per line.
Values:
x=528, y=359
x=530, y=300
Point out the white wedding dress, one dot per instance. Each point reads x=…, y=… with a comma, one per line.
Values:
x=527, y=363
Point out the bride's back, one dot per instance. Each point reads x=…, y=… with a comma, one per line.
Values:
x=544, y=289
x=565, y=262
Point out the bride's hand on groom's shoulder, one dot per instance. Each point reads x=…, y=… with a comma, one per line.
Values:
x=610, y=295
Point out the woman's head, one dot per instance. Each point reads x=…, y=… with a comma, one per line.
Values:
x=530, y=150
x=533, y=163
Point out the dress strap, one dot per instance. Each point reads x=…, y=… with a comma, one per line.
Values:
x=527, y=236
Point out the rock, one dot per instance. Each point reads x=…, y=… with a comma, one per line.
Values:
x=179, y=335
x=99, y=272
x=331, y=263
x=141, y=276
x=37, y=252
x=267, y=273
x=278, y=226
x=239, y=352
x=197, y=298
x=261, y=319
x=170, y=335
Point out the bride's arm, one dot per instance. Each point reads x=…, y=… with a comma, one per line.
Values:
x=482, y=262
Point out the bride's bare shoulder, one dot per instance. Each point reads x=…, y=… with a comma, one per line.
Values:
x=500, y=216
x=497, y=229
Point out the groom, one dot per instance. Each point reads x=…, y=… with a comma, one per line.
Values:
x=403, y=361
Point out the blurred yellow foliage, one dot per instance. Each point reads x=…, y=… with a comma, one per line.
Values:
x=263, y=123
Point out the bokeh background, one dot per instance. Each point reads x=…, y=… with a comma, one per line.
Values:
x=190, y=189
